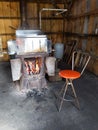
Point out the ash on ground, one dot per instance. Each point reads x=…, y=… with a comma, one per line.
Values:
x=36, y=92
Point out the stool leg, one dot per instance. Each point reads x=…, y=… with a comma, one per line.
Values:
x=63, y=97
x=62, y=88
x=76, y=98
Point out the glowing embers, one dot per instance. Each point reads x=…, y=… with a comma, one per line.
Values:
x=33, y=65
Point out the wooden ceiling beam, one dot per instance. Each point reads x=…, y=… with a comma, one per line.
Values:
x=34, y=1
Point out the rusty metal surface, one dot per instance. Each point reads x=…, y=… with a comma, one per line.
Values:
x=36, y=81
x=23, y=13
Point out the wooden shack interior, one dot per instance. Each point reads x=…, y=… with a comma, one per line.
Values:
x=79, y=22
x=39, y=89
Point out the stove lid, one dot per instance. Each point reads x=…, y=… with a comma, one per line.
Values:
x=26, y=33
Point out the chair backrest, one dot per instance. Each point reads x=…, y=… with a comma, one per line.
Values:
x=80, y=59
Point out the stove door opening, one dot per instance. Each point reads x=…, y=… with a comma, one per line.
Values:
x=33, y=65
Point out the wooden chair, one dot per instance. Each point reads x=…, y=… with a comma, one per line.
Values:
x=79, y=63
x=69, y=48
x=65, y=62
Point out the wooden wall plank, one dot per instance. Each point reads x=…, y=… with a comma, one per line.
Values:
x=93, y=4
x=14, y=9
x=90, y=25
x=86, y=24
x=8, y=10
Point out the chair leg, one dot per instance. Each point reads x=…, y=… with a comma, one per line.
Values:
x=76, y=98
x=61, y=103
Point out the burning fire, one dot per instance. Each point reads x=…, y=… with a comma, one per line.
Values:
x=33, y=65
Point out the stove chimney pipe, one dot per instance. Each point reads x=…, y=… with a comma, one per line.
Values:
x=23, y=14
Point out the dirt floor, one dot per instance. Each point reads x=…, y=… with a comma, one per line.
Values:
x=19, y=111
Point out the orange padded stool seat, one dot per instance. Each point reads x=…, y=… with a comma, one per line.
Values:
x=69, y=74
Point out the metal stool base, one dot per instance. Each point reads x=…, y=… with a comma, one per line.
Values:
x=64, y=91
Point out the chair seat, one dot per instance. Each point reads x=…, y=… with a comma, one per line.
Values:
x=69, y=74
